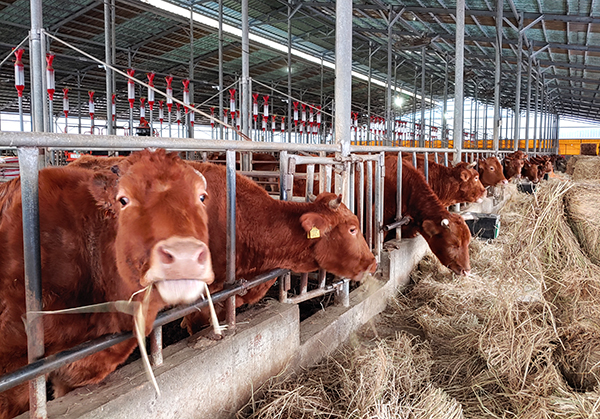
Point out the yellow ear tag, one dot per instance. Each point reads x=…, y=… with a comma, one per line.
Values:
x=314, y=233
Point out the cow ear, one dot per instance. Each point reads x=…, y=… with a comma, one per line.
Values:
x=464, y=175
x=103, y=187
x=314, y=224
x=431, y=228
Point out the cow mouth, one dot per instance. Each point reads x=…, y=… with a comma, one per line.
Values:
x=180, y=291
x=362, y=275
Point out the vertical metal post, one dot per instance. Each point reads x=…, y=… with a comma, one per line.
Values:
x=445, y=106
x=369, y=94
x=498, y=74
x=221, y=137
x=28, y=168
x=422, y=135
x=343, y=85
x=109, y=74
x=360, y=194
x=78, y=102
x=190, y=114
x=399, y=195
x=476, y=115
x=535, y=115
x=458, y=79
x=289, y=69
x=231, y=235
x=542, y=94
x=529, y=80
x=156, y=355
x=37, y=67
x=388, y=102
x=517, y=133
x=414, y=114
x=369, y=227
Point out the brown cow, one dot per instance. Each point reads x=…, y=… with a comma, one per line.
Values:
x=530, y=171
x=452, y=185
x=273, y=234
x=104, y=236
x=490, y=172
x=446, y=233
x=512, y=164
x=544, y=164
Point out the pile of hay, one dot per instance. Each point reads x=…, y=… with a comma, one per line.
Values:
x=581, y=207
x=586, y=168
x=518, y=338
x=588, y=149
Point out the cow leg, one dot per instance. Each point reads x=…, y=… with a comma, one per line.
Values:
x=91, y=369
x=15, y=401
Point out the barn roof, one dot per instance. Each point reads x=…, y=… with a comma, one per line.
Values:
x=561, y=37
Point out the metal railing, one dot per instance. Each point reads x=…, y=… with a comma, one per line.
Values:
x=367, y=200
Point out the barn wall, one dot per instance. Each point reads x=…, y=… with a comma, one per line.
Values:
x=207, y=379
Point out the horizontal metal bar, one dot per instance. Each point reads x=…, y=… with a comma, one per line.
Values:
x=85, y=142
x=314, y=293
x=55, y=361
x=378, y=149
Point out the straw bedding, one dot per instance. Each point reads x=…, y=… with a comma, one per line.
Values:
x=518, y=338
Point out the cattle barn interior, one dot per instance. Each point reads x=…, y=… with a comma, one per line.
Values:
x=340, y=108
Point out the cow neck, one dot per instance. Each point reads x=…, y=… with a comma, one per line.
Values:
x=443, y=182
x=418, y=199
x=290, y=248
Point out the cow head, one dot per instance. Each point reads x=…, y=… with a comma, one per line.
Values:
x=530, y=171
x=449, y=240
x=339, y=247
x=471, y=189
x=161, y=221
x=490, y=172
x=512, y=167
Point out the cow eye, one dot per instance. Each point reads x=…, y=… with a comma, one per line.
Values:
x=202, y=197
x=476, y=178
x=353, y=230
x=124, y=200
x=492, y=169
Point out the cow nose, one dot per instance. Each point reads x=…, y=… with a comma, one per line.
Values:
x=505, y=181
x=182, y=252
x=178, y=258
x=465, y=272
x=373, y=268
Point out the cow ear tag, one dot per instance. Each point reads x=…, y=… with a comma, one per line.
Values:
x=314, y=233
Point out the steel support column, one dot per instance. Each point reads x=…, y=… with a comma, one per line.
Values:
x=498, y=73
x=37, y=67
x=221, y=130
x=369, y=94
x=445, y=106
x=109, y=72
x=28, y=166
x=529, y=80
x=190, y=114
x=422, y=135
x=246, y=96
x=535, y=116
x=289, y=70
x=517, y=134
x=343, y=85
x=458, y=79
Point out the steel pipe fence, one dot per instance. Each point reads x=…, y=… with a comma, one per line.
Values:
x=367, y=169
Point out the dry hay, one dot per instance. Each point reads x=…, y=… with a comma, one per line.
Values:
x=387, y=379
x=587, y=168
x=581, y=207
x=518, y=338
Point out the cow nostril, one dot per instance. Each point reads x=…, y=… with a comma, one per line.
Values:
x=164, y=256
x=202, y=255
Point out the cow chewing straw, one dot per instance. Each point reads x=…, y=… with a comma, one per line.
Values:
x=519, y=337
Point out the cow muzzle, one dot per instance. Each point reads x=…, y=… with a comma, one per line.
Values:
x=178, y=267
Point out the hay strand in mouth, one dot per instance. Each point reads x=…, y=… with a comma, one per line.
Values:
x=138, y=310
